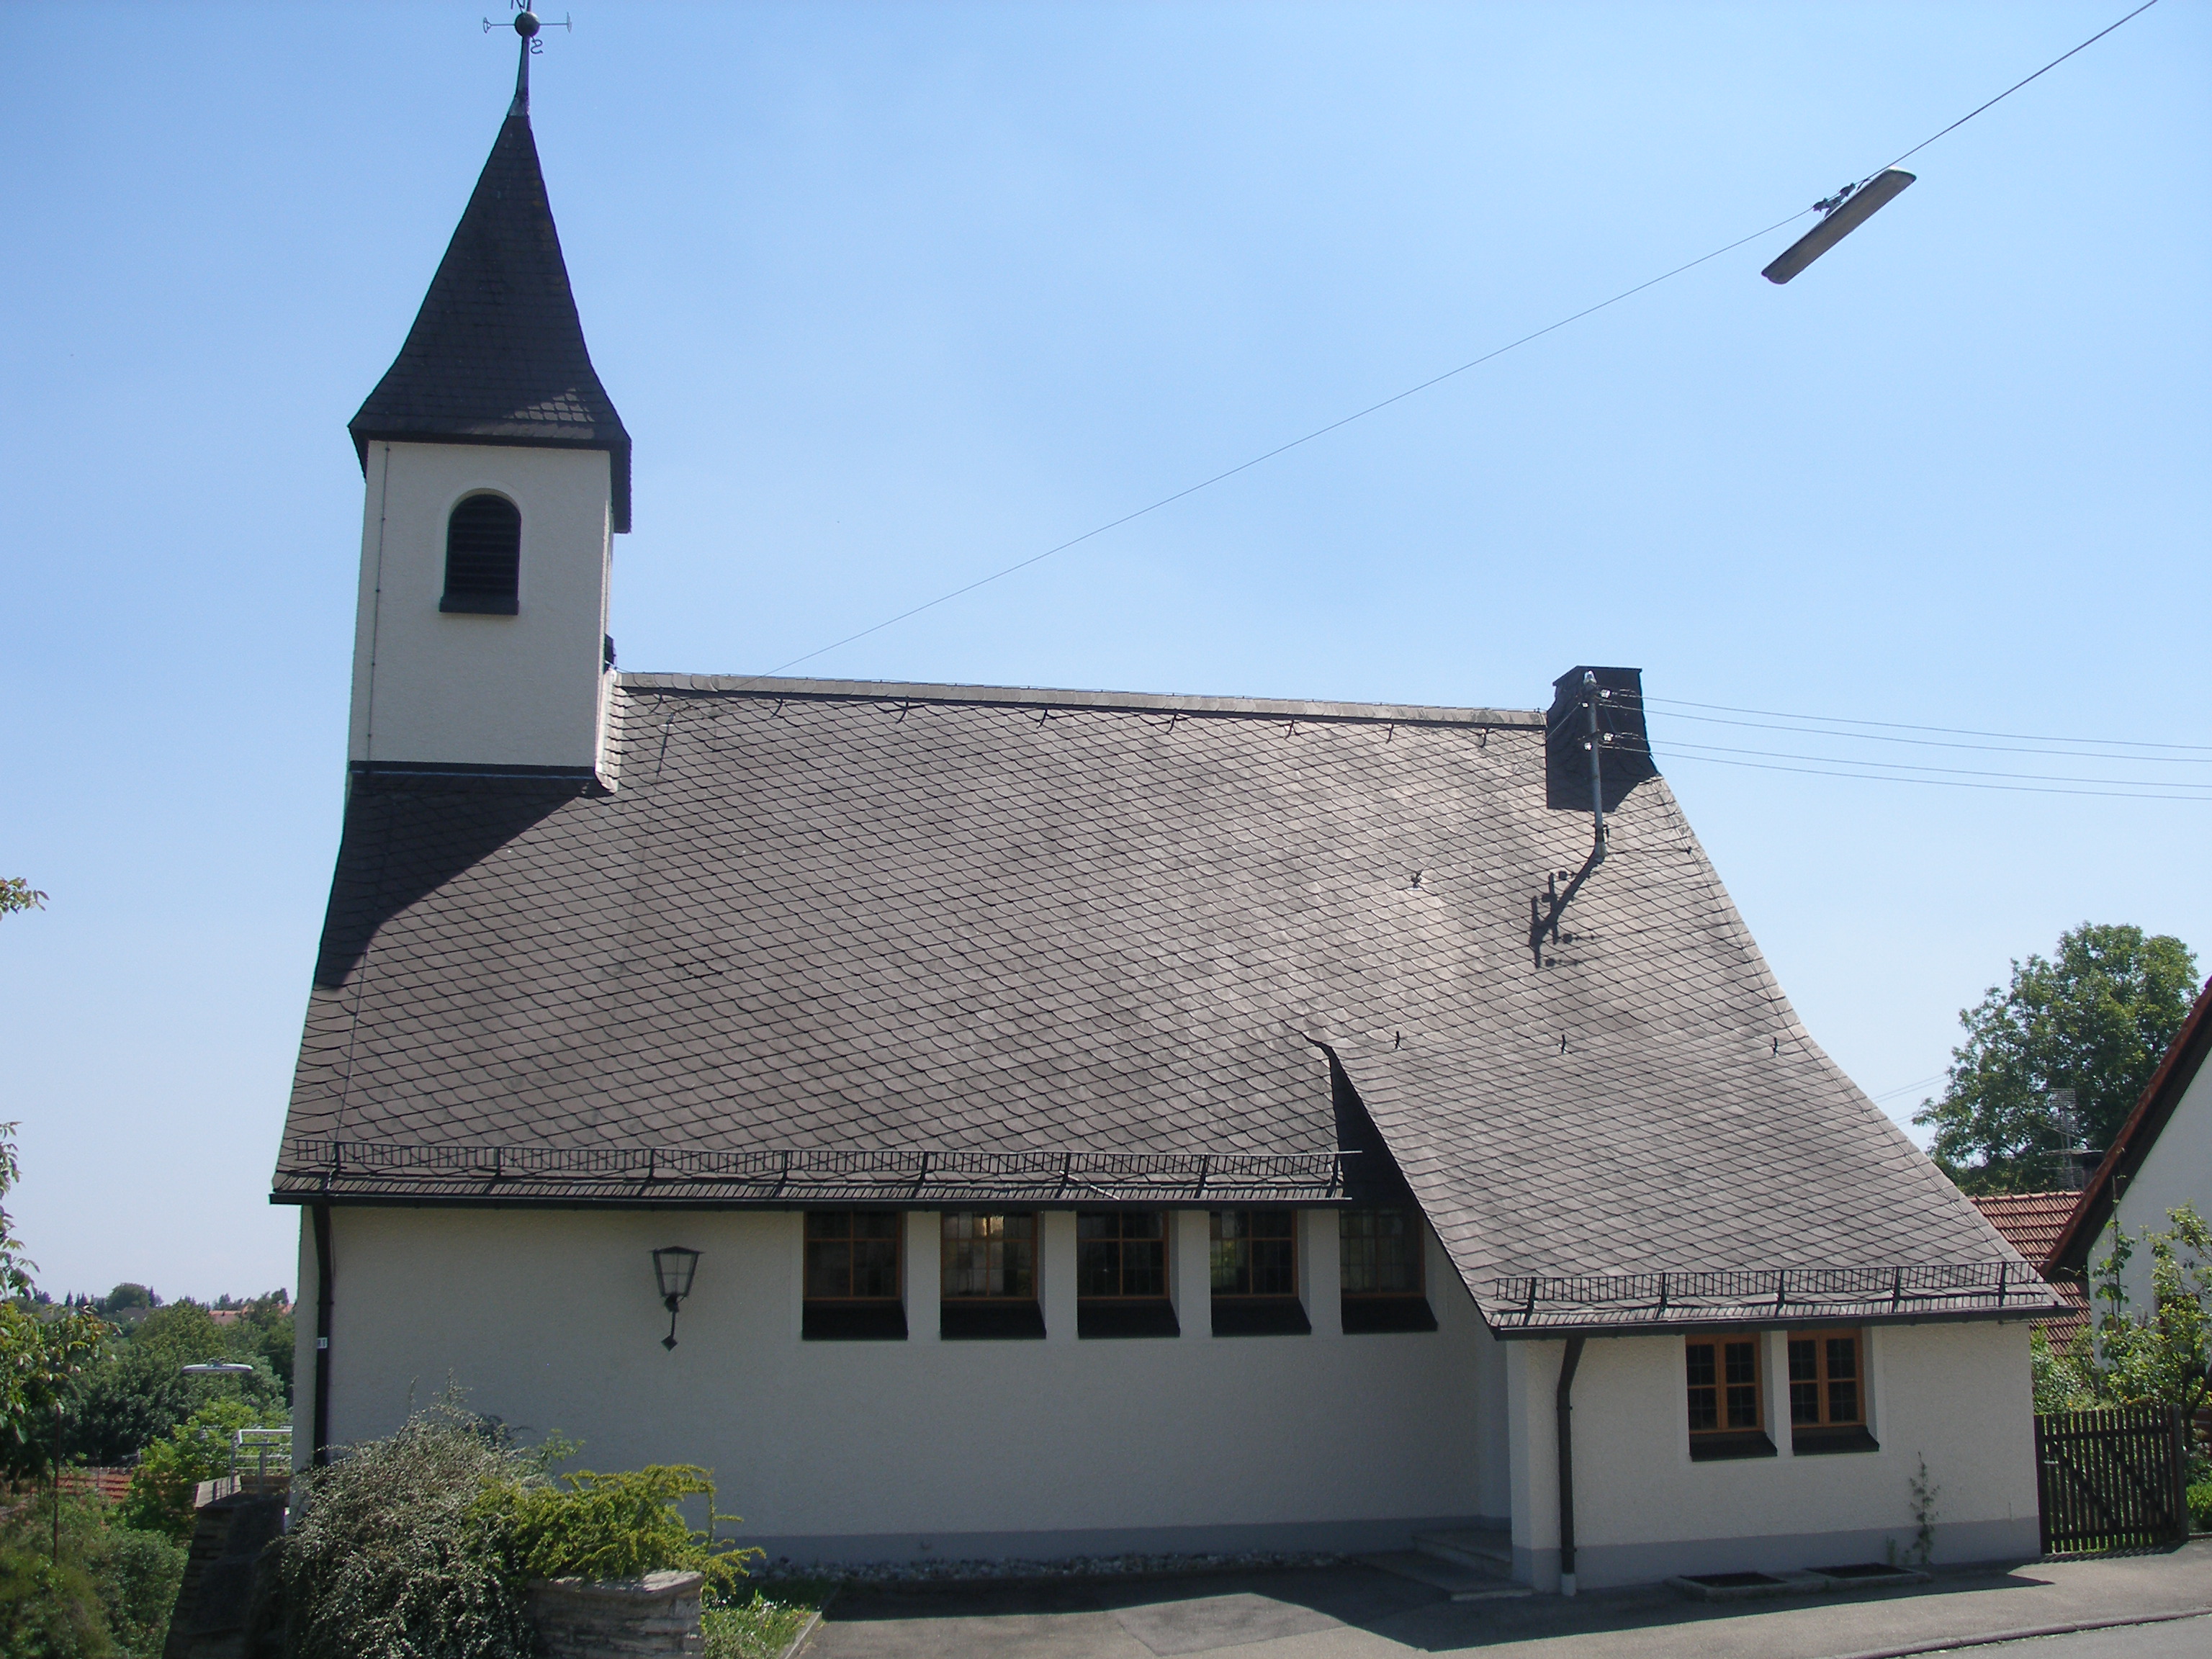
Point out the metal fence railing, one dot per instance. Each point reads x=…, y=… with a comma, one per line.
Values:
x=799, y=1173
x=1529, y=1301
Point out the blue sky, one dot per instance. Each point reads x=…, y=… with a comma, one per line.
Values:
x=893, y=296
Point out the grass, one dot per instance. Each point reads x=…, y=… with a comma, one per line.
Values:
x=764, y=1627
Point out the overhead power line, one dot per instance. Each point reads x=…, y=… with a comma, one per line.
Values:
x=1940, y=783
x=1410, y=392
x=1902, y=726
x=2017, y=85
x=1908, y=1088
x=1908, y=767
x=1280, y=449
x=1941, y=743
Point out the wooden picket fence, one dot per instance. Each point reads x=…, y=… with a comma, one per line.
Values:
x=2112, y=1479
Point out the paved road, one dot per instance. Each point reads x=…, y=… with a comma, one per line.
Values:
x=2178, y=1638
x=1359, y=1612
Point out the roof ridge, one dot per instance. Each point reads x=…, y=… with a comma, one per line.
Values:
x=1030, y=696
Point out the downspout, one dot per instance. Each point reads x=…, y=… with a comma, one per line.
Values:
x=324, y=1272
x=1566, y=1438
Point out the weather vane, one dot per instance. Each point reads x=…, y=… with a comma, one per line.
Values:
x=528, y=25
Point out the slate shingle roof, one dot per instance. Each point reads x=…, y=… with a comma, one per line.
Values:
x=851, y=922
x=497, y=354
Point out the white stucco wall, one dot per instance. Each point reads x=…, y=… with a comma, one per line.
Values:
x=1957, y=1395
x=2177, y=1171
x=519, y=690
x=859, y=1450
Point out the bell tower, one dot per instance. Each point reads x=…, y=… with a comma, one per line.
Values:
x=497, y=474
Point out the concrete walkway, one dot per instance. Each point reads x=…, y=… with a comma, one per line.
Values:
x=1359, y=1612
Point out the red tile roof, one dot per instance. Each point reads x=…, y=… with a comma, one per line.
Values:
x=2032, y=1224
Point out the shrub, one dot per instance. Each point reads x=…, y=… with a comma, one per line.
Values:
x=162, y=1486
x=135, y=1575
x=419, y=1547
x=48, y=1612
x=393, y=1556
x=110, y=1595
x=616, y=1526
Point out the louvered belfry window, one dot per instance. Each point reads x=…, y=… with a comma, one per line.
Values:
x=483, y=556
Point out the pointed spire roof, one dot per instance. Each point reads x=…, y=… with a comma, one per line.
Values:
x=497, y=355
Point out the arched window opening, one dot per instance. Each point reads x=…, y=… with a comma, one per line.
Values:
x=483, y=556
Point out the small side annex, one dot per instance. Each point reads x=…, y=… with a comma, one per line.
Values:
x=1074, y=1121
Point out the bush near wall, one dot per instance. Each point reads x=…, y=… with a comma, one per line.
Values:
x=418, y=1546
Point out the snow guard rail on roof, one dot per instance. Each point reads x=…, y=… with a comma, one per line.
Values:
x=315, y=1170
x=1767, y=1295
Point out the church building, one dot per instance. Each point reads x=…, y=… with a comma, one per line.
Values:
x=985, y=1122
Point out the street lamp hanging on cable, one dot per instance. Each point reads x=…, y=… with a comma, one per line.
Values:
x=1842, y=213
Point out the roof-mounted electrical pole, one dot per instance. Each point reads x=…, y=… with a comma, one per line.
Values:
x=1543, y=913
x=1597, y=780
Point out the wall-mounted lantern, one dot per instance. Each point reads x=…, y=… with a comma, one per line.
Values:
x=672, y=1268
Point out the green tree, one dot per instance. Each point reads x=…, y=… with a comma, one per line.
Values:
x=265, y=1331
x=2096, y=1019
x=15, y=1266
x=137, y=1393
x=2160, y=1356
x=16, y=894
x=40, y=1358
x=199, y=1448
x=40, y=1362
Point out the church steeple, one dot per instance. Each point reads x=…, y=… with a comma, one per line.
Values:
x=496, y=354
x=497, y=472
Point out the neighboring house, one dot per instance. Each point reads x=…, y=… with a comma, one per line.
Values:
x=1104, y=1122
x=2031, y=1223
x=2160, y=1160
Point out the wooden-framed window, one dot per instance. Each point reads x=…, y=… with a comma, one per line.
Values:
x=1380, y=1256
x=1727, y=1402
x=989, y=1269
x=853, y=1289
x=1828, y=1392
x=1122, y=1274
x=483, y=556
x=1253, y=1261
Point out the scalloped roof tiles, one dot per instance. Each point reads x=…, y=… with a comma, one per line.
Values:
x=816, y=917
x=496, y=354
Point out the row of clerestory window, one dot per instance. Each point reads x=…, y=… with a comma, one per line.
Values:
x=988, y=1274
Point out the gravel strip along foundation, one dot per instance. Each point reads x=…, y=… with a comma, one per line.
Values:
x=872, y=1574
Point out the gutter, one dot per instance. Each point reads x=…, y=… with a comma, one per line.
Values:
x=1565, y=1408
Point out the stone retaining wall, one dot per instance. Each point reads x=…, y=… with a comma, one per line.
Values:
x=655, y=1617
